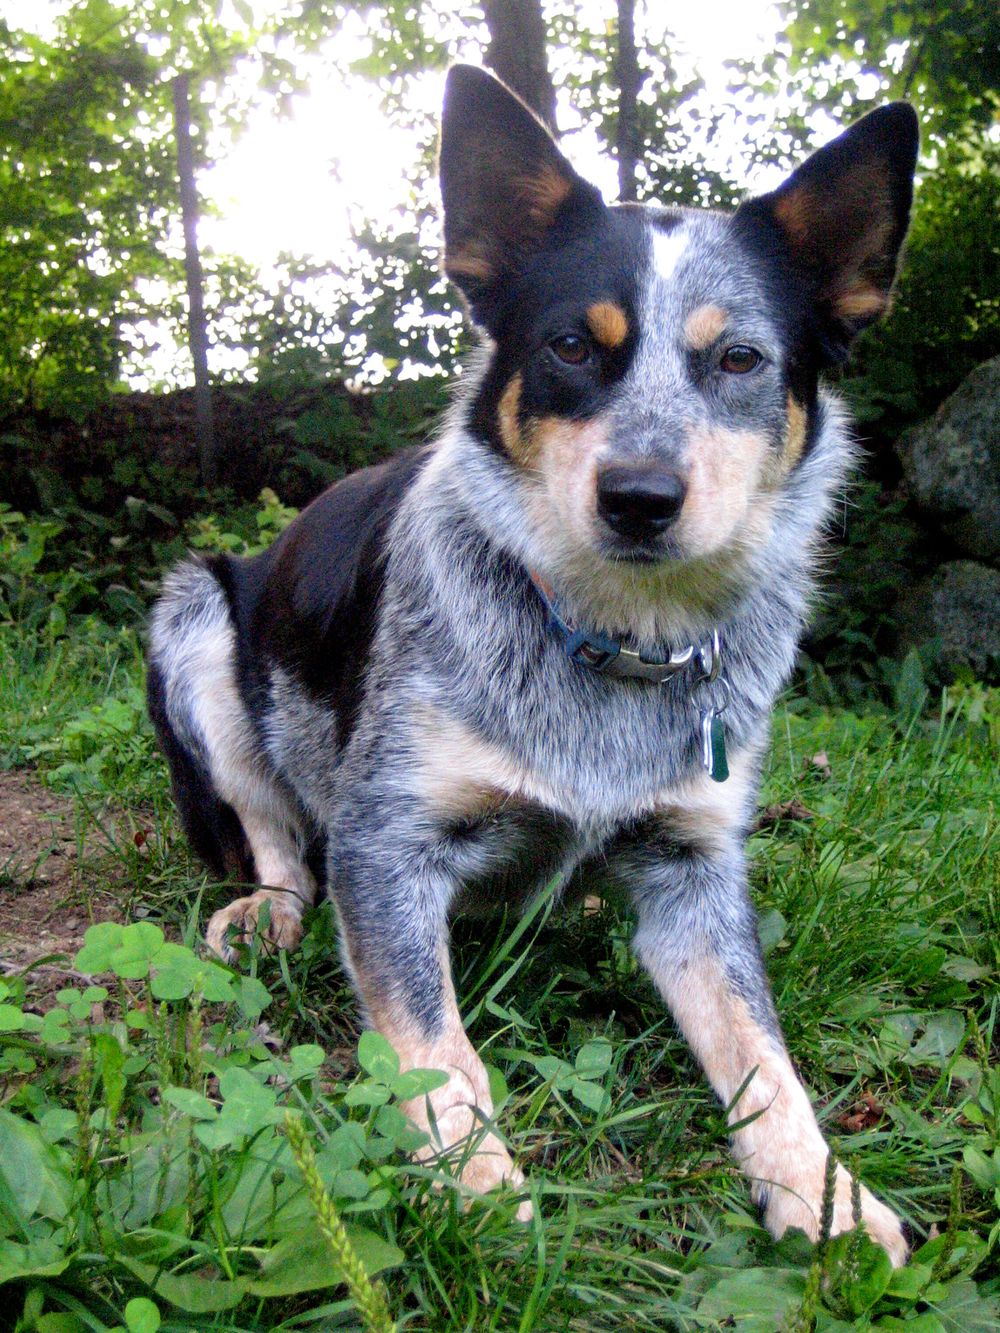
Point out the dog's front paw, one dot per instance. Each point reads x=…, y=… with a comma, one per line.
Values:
x=489, y=1166
x=236, y=923
x=477, y=1156
x=798, y=1202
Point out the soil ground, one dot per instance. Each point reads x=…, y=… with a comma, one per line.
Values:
x=55, y=881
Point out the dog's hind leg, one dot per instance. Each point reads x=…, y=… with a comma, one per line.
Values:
x=697, y=936
x=235, y=810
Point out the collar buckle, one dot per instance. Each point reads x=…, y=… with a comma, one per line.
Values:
x=627, y=662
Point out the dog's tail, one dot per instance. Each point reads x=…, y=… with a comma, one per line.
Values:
x=192, y=596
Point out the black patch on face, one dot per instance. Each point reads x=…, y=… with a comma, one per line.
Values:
x=549, y=299
x=790, y=304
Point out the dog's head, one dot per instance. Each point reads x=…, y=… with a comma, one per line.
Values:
x=652, y=373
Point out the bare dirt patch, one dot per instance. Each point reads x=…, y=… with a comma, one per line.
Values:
x=48, y=895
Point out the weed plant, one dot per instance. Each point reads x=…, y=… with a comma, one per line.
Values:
x=186, y=1146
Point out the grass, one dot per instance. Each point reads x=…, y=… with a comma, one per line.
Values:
x=880, y=916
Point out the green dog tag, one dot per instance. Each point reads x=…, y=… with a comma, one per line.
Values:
x=713, y=746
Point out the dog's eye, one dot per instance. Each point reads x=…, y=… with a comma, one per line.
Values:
x=740, y=360
x=571, y=349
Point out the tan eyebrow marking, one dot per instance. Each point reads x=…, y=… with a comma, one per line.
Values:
x=703, y=326
x=608, y=323
x=859, y=301
x=467, y=263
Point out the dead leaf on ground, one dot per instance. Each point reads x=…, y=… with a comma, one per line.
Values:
x=784, y=810
x=865, y=1113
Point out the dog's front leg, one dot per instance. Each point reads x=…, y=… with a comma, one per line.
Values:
x=392, y=892
x=697, y=936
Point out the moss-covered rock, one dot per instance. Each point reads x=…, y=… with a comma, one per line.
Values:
x=953, y=619
x=952, y=464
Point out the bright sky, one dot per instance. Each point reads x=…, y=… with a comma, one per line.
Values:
x=293, y=183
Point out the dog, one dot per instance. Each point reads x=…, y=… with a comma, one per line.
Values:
x=552, y=638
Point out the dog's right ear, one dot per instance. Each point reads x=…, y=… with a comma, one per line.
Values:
x=504, y=184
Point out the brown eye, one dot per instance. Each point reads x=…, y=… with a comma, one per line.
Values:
x=571, y=349
x=740, y=360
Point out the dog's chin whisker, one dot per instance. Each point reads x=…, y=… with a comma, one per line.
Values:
x=375, y=709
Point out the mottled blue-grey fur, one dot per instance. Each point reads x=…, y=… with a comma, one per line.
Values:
x=479, y=759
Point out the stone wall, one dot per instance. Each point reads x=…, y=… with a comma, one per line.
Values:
x=951, y=468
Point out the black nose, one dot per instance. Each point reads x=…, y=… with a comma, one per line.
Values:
x=639, y=501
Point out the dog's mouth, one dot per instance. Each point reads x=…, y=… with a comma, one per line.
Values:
x=622, y=550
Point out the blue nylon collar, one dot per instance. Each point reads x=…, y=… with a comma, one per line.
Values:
x=606, y=656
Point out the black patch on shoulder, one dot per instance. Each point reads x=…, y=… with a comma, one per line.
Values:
x=309, y=604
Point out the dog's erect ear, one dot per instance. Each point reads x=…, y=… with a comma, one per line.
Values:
x=843, y=215
x=504, y=184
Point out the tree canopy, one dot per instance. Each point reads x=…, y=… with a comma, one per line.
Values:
x=90, y=260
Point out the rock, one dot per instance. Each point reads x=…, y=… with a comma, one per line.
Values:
x=959, y=607
x=952, y=463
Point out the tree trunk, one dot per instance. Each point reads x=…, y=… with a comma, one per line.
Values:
x=197, y=324
x=629, y=79
x=517, y=53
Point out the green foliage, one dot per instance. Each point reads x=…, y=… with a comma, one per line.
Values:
x=90, y=203
x=142, y=1150
x=84, y=200
x=671, y=135
x=205, y=534
x=88, y=179
x=73, y=706
x=368, y=1296
x=943, y=53
x=106, y=518
x=100, y=744
x=584, y=1078
x=878, y=555
x=945, y=318
x=190, y=1176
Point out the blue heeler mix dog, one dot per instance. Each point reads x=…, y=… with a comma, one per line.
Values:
x=552, y=638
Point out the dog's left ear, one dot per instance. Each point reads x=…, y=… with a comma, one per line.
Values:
x=843, y=215
x=504, y=185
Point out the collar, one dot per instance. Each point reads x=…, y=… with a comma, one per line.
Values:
x=708, y=692
x=608, y=657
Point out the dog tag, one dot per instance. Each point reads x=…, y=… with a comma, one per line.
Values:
x=713, y=746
